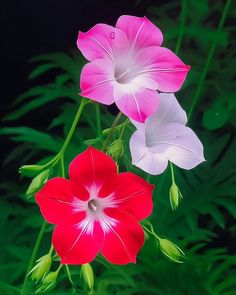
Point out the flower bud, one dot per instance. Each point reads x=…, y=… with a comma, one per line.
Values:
x=116, y=149
x=175, y=196
x=170, y=250
x=31, y=170
x=88, y=276
x=37, y=183
x=41, y=268
x=48, y=282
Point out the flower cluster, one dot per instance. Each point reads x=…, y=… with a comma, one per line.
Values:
x=98, y=210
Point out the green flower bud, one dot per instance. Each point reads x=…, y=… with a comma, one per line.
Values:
x=116, y=149
x=41, y=268
x=170, y=250
x=48, y=282
x=31, y=170
x=37, y=183
x=175, y=196
x=88, y=276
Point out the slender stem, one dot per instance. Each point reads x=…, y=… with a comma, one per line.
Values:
x=33, y=256
x=123, y=128
x=111, y=131
x=151, y=232
x=98, y=119
x=172, y=172
x=51, y=250
x=209, y=58
x=181, y=25
x=62, y=166
x=73, y=126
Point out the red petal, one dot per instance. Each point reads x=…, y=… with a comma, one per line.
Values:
x=76, y=246
x=92, y=167
x=124, y=239
x=56, y=201
x=132, y=193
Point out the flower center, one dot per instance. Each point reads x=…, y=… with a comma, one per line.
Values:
x=93, y=205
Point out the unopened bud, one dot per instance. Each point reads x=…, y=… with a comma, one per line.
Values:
x=175, y=196
x=48, y=282
x=31, y=170
x=170, y=250
x=116, y=149
x=41, y=268
x=37, y=183
x=88, y=276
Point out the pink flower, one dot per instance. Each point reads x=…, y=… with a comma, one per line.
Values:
x=127, y=66
x=164, y=137
x=96, y=210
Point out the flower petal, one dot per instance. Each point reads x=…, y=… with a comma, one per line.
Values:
x=97, y=79
x=76, y=245
x=137, y=103
x=144, y=158
x=134, y=195
x=57, y=201
x=169, y=111
x=102, y=41
x=123, y=240
x=140, y=31
x=163, y=66
x=183, y=147
x=92, y=167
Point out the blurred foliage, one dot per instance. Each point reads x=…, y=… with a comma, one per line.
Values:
x=203, y=223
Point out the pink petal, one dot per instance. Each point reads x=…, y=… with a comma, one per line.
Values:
x=102, y=41
x=163, y=66
x=123, y=240
x=184, y=148
x=140, y=31
x=92, y=167
x=144, y=158
x=76, y=245
x=97, y=79
x=137, y=103
x=57, y=201
x=169, y=111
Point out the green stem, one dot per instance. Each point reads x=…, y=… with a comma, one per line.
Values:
x=98, y=119
x=111, y=131
x=172, y=173
x=123, y=128
x=51, y=250
x=73, y=126
x=62, y=166
x=33, y=256
x=209, y=58
x=181, y=25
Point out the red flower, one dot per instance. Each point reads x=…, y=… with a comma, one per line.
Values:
x=97, y=210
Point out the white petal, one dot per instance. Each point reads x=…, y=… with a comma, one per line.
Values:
x=144, y=158
x=169, y=111
x=180, y=145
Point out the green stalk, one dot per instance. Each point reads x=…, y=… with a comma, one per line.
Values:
x=98, y=119
x=111, y=131
x=181, y=25
x=33, y=256
x=209, y=58
x=73, y=126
